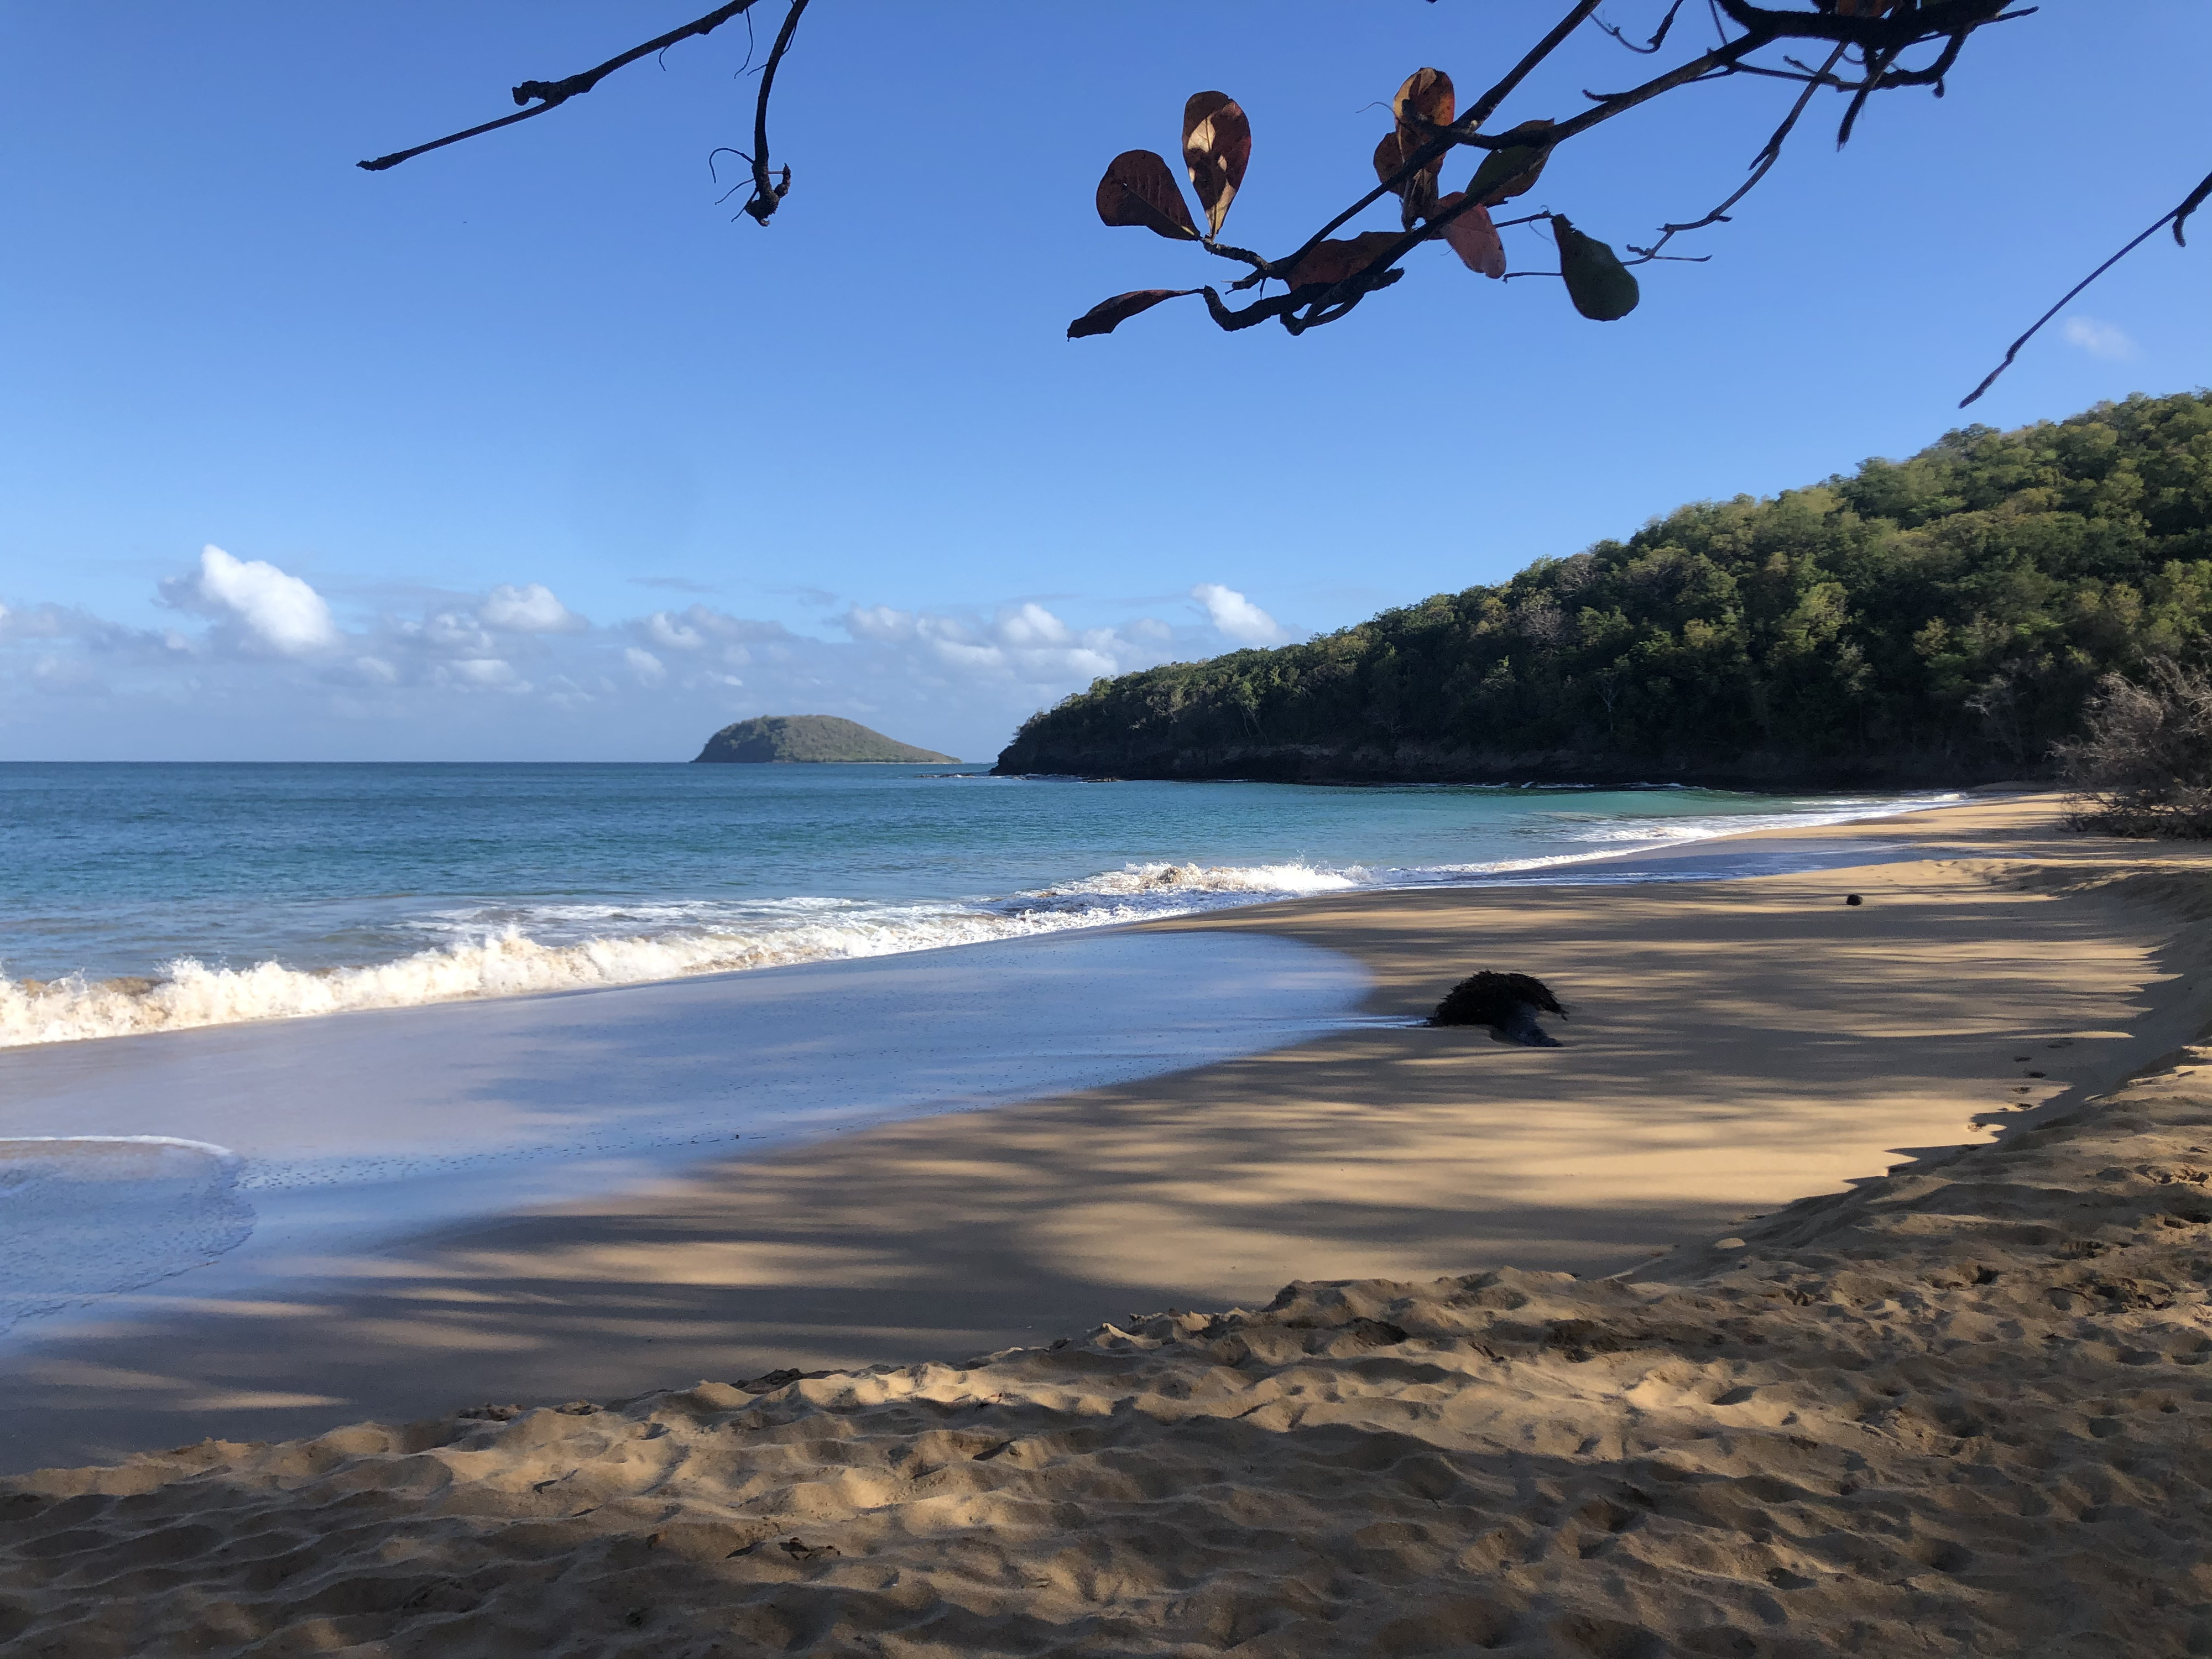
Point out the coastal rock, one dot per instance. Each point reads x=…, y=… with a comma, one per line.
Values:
x=814, y=737
x=1507, y=1003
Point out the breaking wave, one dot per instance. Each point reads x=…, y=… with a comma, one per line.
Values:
x=529, y=954
x=519, y=950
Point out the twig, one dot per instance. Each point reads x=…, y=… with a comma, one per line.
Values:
x=1761, y=165
x=2176, y=217
x=1657, y=41
x=767, y=197
x=554, y=93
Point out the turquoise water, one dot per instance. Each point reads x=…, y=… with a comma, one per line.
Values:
x=150, y=896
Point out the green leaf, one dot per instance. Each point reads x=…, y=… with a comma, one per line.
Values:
x=1603, y=289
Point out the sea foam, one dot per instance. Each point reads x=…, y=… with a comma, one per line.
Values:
x=513, y=960
x=522, y=950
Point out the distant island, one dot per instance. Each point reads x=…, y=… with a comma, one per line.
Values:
x=816, y=738
x=1940, y=620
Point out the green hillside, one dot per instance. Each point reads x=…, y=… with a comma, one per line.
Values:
x=819, y=737
x=1938, y=619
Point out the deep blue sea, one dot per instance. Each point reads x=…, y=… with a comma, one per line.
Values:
x=149, y=896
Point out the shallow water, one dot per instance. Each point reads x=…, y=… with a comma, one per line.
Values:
x=139, y=898
x=127, y=1161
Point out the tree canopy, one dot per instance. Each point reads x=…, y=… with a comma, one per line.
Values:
x=1942, y=618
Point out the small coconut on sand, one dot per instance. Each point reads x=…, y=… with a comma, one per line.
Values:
x=1960, y=1407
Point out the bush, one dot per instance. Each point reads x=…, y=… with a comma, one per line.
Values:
x=2143, y=763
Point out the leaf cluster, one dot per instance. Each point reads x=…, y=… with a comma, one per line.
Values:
x=1946, y=617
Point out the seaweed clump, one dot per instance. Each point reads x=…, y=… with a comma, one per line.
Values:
x=1507, y=1003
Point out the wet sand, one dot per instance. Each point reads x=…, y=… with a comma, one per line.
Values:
x=1733, y=1046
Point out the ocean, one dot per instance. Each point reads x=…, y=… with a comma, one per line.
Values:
x=644, y=969
x=148, y=897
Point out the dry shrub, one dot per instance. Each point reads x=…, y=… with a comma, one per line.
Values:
x=2143, y=763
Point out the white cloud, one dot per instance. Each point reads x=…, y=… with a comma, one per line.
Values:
x=531, y=608
x=673, y=635
x=1235, y=616
x=878, y=622
x=493, y=673
x=449, y=630
x=454, y=674
x=2098, y=339
x=281, y=611
x=1031, y=624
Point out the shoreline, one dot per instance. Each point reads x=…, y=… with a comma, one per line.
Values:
x=1939, y=1398
x=190, y=994
x=1385, y=1150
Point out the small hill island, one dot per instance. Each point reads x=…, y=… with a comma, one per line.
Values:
x=815, y=738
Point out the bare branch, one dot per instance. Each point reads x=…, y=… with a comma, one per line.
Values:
x=2175, y=216
x=1486, y=106
x=768, y=195
x=554, y=93
x=1891, y=33
x=1761, y=165
x=1658, y=39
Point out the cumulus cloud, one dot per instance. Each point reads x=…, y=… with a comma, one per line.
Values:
x=275, y=609
x=671, y=635
x=2098, y=339
x=1235, y=616
x=530, y=608
x=513, y=671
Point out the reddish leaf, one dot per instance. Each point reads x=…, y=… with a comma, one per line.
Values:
x=1139, y=189
x=1428, y=93
x=1396, y=149
x=1109, y=314
x=1217, y=143
x=1509, y=171
x=1417, y=191
x=1334, y=260
x=1473, y=237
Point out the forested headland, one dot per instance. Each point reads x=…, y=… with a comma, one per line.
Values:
x=1942, y=620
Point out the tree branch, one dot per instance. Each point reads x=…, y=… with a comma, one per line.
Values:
x=1892, y=33
x=554, y=93
x=766, y=196
x=1761, y=165
x=2176, y=216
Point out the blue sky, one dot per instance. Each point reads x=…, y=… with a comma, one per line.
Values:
x=526, y=450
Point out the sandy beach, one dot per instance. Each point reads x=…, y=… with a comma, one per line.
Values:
x=1835, y=1288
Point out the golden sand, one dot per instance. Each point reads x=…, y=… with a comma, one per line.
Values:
x=1955, y=1409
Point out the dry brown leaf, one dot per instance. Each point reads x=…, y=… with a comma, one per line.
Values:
x=1109, y=314
x=1336, y=259
x=1396, y=149
x=1509, y=171
x=1139, y=189
x=1473, y=237
x=1428, y=93
x=1216, y=144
